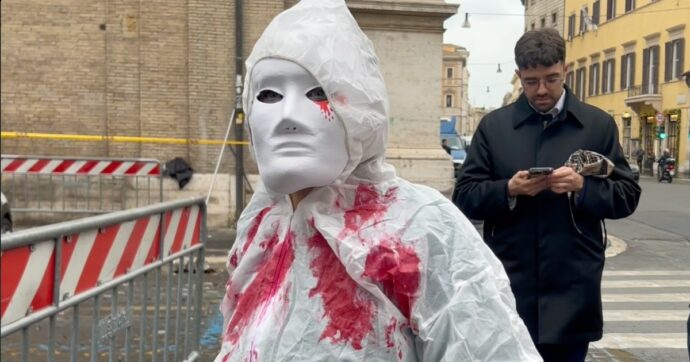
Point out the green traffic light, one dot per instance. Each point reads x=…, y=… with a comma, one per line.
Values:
x=662, y=135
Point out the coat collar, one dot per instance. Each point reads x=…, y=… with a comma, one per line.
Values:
x=522, y=110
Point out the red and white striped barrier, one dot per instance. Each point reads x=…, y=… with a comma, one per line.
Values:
x=76, y=166
x=89, y=259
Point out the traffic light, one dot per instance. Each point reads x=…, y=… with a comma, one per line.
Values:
x=661, y=132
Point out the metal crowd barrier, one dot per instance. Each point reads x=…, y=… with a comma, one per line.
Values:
x=121, y=286
x=80, y=185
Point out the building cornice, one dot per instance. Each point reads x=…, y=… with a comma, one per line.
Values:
x=426, y=16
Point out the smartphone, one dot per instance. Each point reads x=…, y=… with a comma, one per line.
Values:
x=540, y=171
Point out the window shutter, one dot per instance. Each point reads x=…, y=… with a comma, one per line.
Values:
x=604, y=77
x=595, y=13
x=613, y=73
x=589, y=84
x=596, y=81
x=681, y=54
x=645, y=68
x=624, y=69
x=632, y=70
x=668, y=61
x=655, y=74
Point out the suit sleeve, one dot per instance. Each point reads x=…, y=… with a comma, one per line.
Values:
x=466, y=310
x=476, y=193
x=616, y=196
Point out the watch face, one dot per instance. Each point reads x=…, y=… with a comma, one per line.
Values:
x=298, y=140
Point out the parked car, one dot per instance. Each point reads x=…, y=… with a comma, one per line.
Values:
x=635, y=171
x=6, y=215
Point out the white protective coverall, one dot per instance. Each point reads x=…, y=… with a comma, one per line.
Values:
x=370, y=267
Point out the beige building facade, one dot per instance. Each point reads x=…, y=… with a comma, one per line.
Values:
x=152, y=69
x=455, y=78
x=515, y=91
x=631, y=65
x=476, y=115
x=544, y=13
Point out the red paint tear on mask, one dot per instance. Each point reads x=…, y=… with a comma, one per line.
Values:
x=325, y=109
x=369, y=205
x=396, y=267
x=390, y=329
x=349, y=315
x=263, y=288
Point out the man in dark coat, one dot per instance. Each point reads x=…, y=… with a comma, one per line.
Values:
x=547, y=230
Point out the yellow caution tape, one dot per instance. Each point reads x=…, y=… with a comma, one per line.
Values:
x=126, y=139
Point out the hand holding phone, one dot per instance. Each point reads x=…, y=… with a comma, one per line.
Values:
x=539, y=171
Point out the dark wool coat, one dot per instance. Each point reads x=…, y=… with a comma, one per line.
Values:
x=552, y=247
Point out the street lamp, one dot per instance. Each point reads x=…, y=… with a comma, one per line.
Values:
x=466, y=24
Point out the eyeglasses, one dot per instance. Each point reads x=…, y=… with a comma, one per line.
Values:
x=551, y=82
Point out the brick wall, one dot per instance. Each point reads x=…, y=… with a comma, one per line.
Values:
x=125, y=68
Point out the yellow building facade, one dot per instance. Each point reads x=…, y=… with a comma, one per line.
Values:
x=628, y=58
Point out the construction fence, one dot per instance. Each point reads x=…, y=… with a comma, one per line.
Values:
x=122, y=286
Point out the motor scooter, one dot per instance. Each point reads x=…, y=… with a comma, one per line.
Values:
x=667, y=170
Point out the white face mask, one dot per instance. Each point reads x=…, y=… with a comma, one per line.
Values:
x=298, y=140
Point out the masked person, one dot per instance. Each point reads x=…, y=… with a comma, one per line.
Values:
x=336, y=258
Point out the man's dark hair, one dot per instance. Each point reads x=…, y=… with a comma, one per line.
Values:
x=543, y=47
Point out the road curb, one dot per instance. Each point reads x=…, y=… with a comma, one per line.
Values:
x=675, y=179
x=615, y=246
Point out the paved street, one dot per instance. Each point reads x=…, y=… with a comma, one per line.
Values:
x=646, y=289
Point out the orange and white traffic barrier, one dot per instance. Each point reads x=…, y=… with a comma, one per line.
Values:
x=48, y=270
x=79, y=166
x=89, y=259
x=80, y=185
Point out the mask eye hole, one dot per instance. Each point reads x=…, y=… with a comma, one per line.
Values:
x=269, y=96
x=317, y=95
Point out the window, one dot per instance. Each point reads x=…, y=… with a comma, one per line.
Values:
x=595, y=13
x=464, y=63
x=629, y=5
x=543, y=22
x=593, y=86
x=674, y=60
x=449, y=73
x=610, y=9
x=608, y=75
x=554, y=19
x=449, y=100
x=627, y=71
x=580, y=83
x=650, y=70
x=571, y=26
x=583, y=20
x=569, y=79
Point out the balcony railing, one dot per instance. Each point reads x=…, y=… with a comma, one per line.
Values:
x=645, y=89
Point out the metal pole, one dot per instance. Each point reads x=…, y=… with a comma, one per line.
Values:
x=239, y=114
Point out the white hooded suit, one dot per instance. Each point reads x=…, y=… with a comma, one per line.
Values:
x=370, y=267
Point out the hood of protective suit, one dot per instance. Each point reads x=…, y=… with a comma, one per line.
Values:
x=370, y=267
x=323, y=37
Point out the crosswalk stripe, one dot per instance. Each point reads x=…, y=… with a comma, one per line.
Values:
x=642, y=340
x=661, y=297
x=629, y=315
x=644, y=283
x=644, y=272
